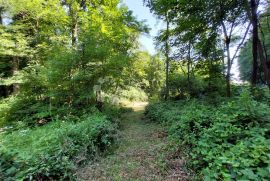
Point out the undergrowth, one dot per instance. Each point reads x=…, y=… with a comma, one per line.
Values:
x=53, y=151
x=229, y=141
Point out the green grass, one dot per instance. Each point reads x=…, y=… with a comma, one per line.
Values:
x=139, y=155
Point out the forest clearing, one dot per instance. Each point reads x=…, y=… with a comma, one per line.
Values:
x=147, y=90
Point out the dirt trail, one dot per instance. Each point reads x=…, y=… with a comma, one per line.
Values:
x=139, y=155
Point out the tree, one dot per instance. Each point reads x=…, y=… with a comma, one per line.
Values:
x=255, y=35
x=257, y=70
x=62, y=59
x=201, y=22
x=162, y=10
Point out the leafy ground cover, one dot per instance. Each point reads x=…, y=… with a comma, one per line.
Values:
x=229, y=141
x=53, y=151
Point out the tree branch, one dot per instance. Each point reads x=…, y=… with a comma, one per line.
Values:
x=242, y=42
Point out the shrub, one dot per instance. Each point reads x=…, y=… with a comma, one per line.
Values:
x=51, y=152
x=132, y=94
x=32, y=112
x=165, y=112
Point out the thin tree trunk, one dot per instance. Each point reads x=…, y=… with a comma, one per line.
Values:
x=223, y=60
x=229, y=65
x=74, y=39
x=1, y=15
x=15, y=68
x=3, y=89
x=73, y=25
x=167, y=57
x=255, y=38
x=74, y=31
x=188, y=66
x=240, y=44
x=228, y=76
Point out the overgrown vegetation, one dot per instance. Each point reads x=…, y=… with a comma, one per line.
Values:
x=224, y=130
x=225, y=141
x=53, y=151
x=67, y=67
x=61, y=62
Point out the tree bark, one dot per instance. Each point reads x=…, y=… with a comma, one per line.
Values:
x=167, y=49
x=255, y=37
x=1, y=15
x=229, y=64
x=74, y=31
x=15, y=68
x=188, y=66
x=74, y=24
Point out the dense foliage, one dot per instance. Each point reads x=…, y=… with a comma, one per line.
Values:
x=224, y=142
x=225, y=138
x=54, y=150
x=59, y=59
x=245, y=56
x=64, y=62
x=67, y=67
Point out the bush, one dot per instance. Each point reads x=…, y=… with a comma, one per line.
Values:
x=154, y=111
x=33, y=112
x=53, y=151
x=181, y=88
x=132, y=94
x=226, y=142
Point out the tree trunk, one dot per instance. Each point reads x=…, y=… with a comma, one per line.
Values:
x=3, y=89
x=188, y=66
x=74, y=31
x=74, y=24
x=223, y=61
x=74, y=39
x=1, y=13
x=254, y=21
x=15, y=68
x=229, y=63
x=167, y=49
x=264, y=63
x=228, y=76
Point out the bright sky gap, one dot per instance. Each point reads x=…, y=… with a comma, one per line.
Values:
x=147, y=41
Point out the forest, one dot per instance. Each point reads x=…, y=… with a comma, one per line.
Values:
x=80, y=99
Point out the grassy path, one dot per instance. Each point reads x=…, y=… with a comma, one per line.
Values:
x=139, y=155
